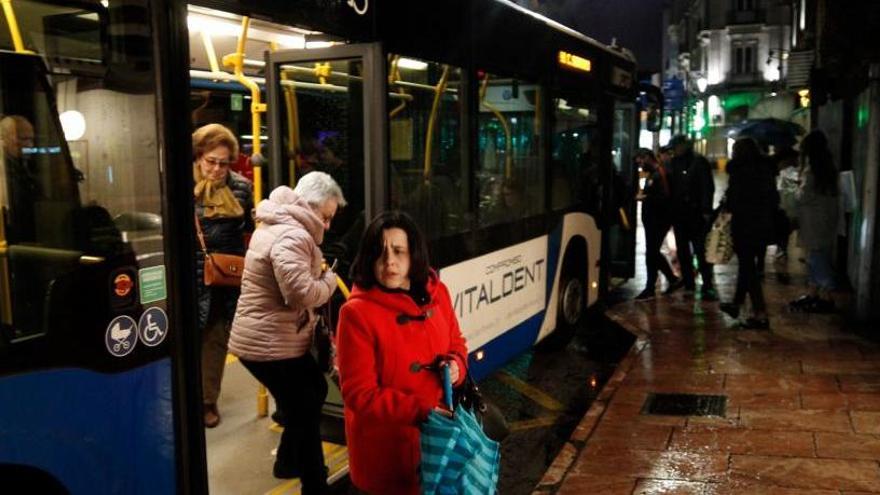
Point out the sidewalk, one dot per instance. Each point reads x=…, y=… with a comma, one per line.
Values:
x=802, y=415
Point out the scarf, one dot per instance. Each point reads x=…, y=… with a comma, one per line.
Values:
x=215, y=197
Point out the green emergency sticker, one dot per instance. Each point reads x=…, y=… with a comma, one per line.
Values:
x=152, y=284
x=236, y=102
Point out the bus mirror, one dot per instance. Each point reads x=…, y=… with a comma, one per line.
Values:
x=651, y=100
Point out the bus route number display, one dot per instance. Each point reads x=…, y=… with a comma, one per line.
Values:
x=572, y=61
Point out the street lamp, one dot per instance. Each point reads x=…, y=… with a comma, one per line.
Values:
x=702, y=84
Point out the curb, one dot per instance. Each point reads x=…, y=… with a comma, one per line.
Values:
x=572, y=449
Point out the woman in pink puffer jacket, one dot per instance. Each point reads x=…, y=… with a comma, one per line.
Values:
x=282, y=284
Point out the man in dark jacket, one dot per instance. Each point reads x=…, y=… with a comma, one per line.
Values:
x=692, y=193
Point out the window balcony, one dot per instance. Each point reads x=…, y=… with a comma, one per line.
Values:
x=753, y=16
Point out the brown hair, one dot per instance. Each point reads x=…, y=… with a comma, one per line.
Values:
x=210, y=136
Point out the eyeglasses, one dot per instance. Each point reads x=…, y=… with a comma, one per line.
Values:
x=217, y=162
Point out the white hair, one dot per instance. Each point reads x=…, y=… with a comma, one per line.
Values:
x=317, y=187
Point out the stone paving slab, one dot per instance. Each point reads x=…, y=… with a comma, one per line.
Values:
x=803, y=405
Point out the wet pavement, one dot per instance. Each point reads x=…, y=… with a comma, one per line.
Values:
x=802, y=402
x=544, y=394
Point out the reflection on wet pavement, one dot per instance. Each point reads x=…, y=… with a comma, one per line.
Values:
x=803, y=402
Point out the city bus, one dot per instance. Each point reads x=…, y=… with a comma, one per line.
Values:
x=506, y=135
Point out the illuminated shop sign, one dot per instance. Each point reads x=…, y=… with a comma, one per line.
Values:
x=575, y=62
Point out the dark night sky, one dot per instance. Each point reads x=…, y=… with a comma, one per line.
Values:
x=637, y=24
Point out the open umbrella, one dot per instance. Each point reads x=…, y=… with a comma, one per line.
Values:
x=457, y=456
x=770, y=132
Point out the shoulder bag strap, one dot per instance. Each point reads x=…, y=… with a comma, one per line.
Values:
x=199, y=233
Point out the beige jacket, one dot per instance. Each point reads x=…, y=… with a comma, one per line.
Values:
x=282, y=282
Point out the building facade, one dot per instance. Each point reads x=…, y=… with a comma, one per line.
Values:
x=734, y=60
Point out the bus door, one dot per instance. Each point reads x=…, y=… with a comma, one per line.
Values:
x=624, y=186
x=85, y=359
x=327, y=113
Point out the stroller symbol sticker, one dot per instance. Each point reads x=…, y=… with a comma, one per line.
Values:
x=121, y=336
x=153, y=326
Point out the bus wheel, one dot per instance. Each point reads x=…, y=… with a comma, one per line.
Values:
x=570, y=313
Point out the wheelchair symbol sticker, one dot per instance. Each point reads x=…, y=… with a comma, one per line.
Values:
x=121, y=336
x=153, y=326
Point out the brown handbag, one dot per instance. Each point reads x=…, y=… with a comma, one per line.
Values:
x=221, y=270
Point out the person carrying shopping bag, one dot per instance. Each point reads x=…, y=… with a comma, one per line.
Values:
x=394, y=332
x=223, y=201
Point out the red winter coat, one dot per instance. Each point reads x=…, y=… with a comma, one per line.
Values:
x=385, y=399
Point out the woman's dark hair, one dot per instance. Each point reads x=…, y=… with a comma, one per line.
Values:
x=372, y=247
x=814, y=149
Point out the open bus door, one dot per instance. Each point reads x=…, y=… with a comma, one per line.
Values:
x=89, y=323
x=326, y=112
x=624, y=185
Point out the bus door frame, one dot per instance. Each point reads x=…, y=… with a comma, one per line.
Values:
x=374, y=113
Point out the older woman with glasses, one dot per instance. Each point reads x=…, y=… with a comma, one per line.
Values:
x=284, y=282
x=223, y=204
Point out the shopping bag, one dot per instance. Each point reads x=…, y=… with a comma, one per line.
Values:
x=719, y=242
x=457, y=456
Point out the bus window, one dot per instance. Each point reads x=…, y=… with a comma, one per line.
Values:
x=322, y=129
x=68, y=171
x=433, y=189
x=575, y=161
x=510, y=174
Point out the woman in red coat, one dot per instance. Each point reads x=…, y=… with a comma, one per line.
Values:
x=398, y=321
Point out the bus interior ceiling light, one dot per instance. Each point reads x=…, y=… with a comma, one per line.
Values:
x=408, y=63
x=221, y=26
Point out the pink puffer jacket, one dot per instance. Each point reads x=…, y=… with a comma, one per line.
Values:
x=282, y=282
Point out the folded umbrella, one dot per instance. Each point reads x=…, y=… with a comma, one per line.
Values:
x=457, y=456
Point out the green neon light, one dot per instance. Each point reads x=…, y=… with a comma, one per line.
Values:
x=733, y=100
x=863, y=113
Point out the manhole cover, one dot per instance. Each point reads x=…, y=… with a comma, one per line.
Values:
x=685, y=405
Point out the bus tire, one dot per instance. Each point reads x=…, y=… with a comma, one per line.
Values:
x=572, y=306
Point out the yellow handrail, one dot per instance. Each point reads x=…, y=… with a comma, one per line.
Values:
x=394, y=73
x=508, y=159
x=293, y=136
x=236, y=62
x=438, y=93
x=12, y=22
x=342, y=287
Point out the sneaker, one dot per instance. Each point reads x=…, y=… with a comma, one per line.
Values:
x=645, y=294
x=730, y=309
x=674, y=286
x=708, y=294
x=755, y=324
x=211, y=416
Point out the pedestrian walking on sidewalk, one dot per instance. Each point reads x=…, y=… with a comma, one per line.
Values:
x=817, y=206
x=284, y=281
x=752, y=200
x=657, y=220
x=393, y=333
x=692, y=194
